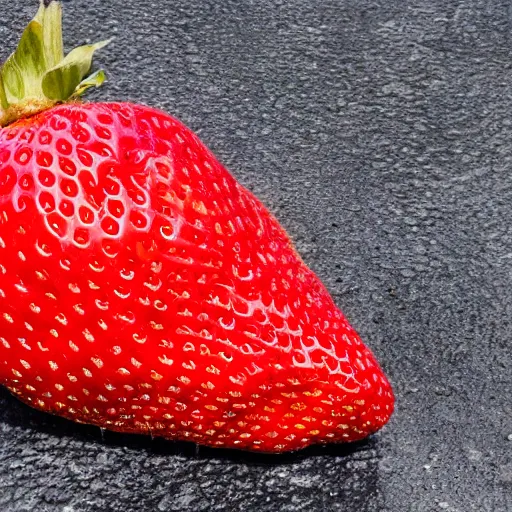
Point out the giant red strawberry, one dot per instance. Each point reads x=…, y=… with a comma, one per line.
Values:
x=142, y=289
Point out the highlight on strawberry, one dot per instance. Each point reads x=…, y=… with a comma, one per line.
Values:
x=144, y=290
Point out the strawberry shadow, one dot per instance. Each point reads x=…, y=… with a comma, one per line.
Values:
x=160, y=446
x=20, y=416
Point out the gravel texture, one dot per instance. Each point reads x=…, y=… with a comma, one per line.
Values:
x=380, y=134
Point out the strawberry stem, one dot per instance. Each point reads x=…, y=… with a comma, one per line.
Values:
x=38, y=75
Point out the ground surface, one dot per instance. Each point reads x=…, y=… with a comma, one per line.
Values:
x=380, y=134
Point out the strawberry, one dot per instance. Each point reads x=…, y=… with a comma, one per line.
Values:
x=142, y=289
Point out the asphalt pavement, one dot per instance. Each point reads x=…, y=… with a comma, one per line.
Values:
x=379, y=132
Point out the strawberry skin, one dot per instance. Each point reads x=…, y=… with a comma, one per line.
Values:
x=142, y=289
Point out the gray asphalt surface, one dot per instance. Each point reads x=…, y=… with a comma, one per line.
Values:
x=380, y=134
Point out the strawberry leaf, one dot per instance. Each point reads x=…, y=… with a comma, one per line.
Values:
x=94, y=80
x=3, y=97
x=61, y=82
x=23, y=70
x=38, y=75
x=50, y=18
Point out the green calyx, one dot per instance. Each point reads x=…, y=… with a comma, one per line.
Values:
x=38, y=75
